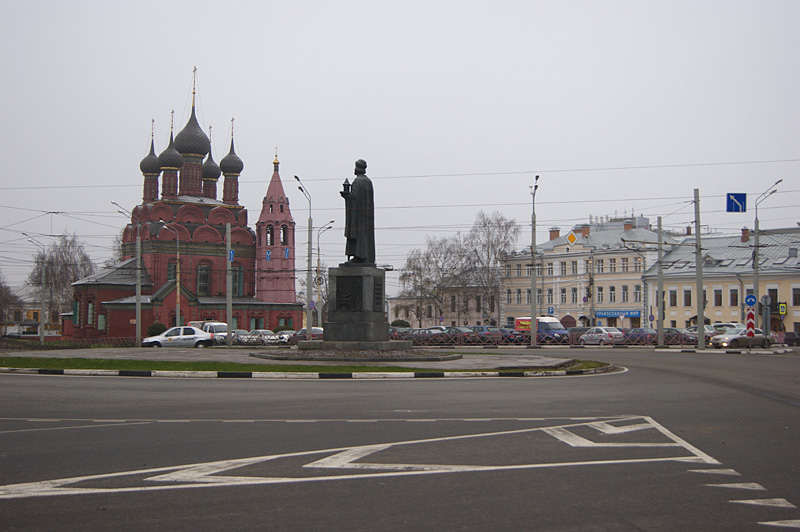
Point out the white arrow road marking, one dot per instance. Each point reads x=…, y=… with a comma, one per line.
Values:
x=211, y=474
x=731, y=472
x=786, y=524
x=777, y=503
x=740, y=486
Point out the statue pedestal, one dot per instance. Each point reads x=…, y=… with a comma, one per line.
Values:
x=356, y=319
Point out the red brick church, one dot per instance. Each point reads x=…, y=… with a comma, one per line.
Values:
x=188, y=221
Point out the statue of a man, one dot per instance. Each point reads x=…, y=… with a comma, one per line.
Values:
x=359, y=228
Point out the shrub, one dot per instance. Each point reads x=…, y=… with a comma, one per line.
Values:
x=156, y=328
x=401, y=323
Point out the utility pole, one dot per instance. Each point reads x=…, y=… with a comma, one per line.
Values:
x=764, y=195
x=701, y=300
x=309, y=287
x=229, y=284
x=41, y=290
x=660, y=287
x=534, y=323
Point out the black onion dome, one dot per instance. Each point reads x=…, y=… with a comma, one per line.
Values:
x=170, y=158
x=191, y=139
x=231, y=163
x=150, y=164
x=210, y=168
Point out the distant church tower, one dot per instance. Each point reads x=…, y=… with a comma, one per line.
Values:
x=275, y=245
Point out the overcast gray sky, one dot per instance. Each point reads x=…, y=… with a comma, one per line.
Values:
x=619, y=106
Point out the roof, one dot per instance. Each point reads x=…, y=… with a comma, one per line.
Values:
x=728, y=255
x=119, y=274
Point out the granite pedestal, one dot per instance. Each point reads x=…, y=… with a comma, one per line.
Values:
x=356, y=319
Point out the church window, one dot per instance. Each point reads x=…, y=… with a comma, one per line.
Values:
x=171, y=271
x=284, y=235
x=237, y=281
x=203, y=279
x=270, y=236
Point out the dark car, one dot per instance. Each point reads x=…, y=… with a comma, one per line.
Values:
x=641, y=336
x=677, y=336
x=488, y=334
x=399, y=333
x=454, y=336
x=513, y=336
x=791, y=338
x=300, y=336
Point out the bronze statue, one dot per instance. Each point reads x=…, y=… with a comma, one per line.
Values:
x=359, y=227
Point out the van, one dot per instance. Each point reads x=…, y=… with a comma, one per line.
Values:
x=549, y=329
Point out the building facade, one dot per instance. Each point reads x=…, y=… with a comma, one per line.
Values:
x=184, y=234
x=590, y=276
x=728, y=277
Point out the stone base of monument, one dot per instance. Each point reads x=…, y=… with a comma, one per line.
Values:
x=356, y=319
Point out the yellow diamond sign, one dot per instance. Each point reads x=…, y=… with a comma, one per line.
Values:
x=571, y=238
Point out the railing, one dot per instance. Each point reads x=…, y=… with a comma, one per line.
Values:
x=32, y=344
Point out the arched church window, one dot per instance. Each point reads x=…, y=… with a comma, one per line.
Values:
x=203, y=279
x=270, y=236
x=284, y=235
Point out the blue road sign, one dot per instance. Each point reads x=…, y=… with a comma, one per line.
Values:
x=550, y=310
x=736, y=202
x=286, y=253
x=750, y=300
x=269, y=255
x=230, y=256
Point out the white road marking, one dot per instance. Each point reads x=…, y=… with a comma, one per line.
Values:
x=786, y=524
x=210, y=474
x=731, y=472
x=740, y=486
x=777, y=503
x=76, y=427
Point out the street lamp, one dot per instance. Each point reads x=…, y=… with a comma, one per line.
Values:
x=764, y=195
x=177, y=275
x=534, y=324
x=321, y=230
x=126, y=212
x=309, y=289
x=41, y=293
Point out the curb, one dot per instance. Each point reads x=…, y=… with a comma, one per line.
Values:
x=302, y=375
x=729, y=351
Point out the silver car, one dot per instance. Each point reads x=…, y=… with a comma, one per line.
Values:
x=602, y=336
x=738, y=338
x=180, y=337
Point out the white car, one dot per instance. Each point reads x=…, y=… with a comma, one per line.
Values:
x=602, y=336
x=738, y=338
x=180, y=337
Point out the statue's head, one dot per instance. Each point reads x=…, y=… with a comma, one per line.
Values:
x=361, y=167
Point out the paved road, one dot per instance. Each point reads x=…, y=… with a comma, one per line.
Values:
x=678, y=442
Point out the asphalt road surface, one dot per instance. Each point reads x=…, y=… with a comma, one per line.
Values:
x=678, y=442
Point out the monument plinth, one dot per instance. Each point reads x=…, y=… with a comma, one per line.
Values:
x=356, y=289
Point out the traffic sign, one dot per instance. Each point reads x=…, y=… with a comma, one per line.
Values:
x=736, y=203
x=750, y=300
x=781, y=308
x=550, y=310
x=230, y=255
x=311, y=304
x=750, y=321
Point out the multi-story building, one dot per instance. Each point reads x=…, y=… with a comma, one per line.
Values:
x=185, y=234
x=590, y=276
x=728, y=279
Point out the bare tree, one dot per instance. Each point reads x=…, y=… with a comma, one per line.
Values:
x=491, y=237
x=117, y=254
x=8, y=302
x=429, y=273
x=64, y=262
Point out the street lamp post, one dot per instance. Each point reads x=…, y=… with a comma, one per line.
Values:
x=309, y=289
x=764, y=195
x=41, y=292
x=321, y=230
x=534, y=324
x=126, y=212
x=177, y=275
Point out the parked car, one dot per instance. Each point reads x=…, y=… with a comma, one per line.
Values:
x=513, y=336
x=256, y=337
x=725, y=327
x=575, y=333
x=677, y=336
x=301, y=335
x=399, y=333
x=222, y=337
x=738, y=338
x=642, y=336
x=180, y=337
x=283, y=336
x=791, y=338
x=602, y=336
x=488, y=334
x=709, y=330
x=454, y=336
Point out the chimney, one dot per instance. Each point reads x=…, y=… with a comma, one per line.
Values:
x=554, y=232
x=688, y=230
x=585, y=231
x=627, y=225
x=745, y=234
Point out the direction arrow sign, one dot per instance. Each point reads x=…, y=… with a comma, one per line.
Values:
x=750, y=300
x=736, y=203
